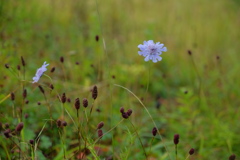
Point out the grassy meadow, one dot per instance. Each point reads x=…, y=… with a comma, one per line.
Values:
x=193, y=92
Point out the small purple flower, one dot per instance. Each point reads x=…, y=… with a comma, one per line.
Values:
x=151, y=50
x=40, y=72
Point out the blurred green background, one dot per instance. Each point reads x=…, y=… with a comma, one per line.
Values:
x=196, y=96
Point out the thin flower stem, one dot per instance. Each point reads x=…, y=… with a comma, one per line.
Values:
x=176, y=153
x=151, y=145
x=187, y=157
x=63, y=144
x=139, y=139
x=148, y=114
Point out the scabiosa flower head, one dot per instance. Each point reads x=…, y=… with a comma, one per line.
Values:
x=40, y=72
x=151, y=50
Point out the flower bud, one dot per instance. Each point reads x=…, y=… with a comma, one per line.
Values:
x=100, y=125
x=176, y=139
x=19, y=127
x=94, y=92
x=154, y=131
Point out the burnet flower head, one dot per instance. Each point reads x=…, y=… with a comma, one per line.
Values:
x=40, y=72
x=151, y=50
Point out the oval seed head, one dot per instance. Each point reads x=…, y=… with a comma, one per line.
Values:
x=59, y=123
x=154, y=131
x=19, y=127
x=64, y=123
x=12, y=96
x=85, y=102
x=94, y=92
x=129, y=112
x=232, y=157
x=100, y=125
x=191, y=151
x=7, y=133
x=122, y=110
x=100, y=133
x=77, y=103
x=176, y=139
x=63, y=98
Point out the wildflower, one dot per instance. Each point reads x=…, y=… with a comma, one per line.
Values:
x=151, y=50
x=94, y=92
x=154, y=131
x=191, y=151
x=85, y=102
x=176, y=139
x=100, y=133
x=232, y=157
x=40, y=72
x=19, y=127
x=77, y=103
x=100, y=125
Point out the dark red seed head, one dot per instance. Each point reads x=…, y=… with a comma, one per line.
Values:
x=69, y=100
x=189, y=52
x=31, y=141
x=96, y=37
x=122, y=110
x=39, y=103
x=176, y=139
x=63, y=98
x=24, y=93
x=26, y=116
x=27, y=101
x=64, y=123
x=61, y=59
x=12, y=96
x=7, y=133
x=77, y=103
x=59, y=123
x=154, y=131
x=51, y=86
x=191, y=151
x=19, y=127
x=52, y=70
x=125, y=115
x=23, y=62
x=232, y=157
x=85, y=102
x=94, y=92
x=100, y=125
x=6, y=125
x=7, y=66
x=129, y=112
x=100, y=133
x=41, y=89
x=19, y=67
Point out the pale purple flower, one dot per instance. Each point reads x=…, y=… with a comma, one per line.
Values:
x=151, y=50
x=40, y=72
